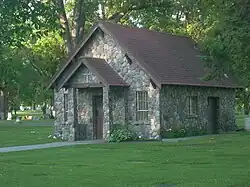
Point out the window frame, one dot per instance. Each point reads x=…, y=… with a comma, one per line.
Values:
x=142, y=109
x=87, y=77
x=192, y=105
x=66, y=106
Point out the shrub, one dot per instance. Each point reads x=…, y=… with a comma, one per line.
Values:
x=184, y=132
x=122, y=134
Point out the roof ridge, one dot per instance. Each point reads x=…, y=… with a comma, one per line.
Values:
x=143, y=28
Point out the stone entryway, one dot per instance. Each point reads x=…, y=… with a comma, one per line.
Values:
x=97, y=117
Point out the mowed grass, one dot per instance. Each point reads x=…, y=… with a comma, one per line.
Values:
x=26, y=133
x=240, y=120
x=29, y=113
x=221, y=161
x=36, y=132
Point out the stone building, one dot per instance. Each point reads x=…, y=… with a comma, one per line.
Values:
x=150, y=80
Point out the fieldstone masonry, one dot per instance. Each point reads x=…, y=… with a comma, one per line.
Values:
x=103, y=46
x=174, y=110
x=79, y=78
x=59, y=111
x=119, y=103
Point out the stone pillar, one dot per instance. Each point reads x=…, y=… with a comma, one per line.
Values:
x=154, y=112
x=59, y=111
x=106, y=113
x=69, y=131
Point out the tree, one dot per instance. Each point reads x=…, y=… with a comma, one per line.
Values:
x=25, y=71
x=77, y=16
x=44, y=57
x=21, y=20
x=228, y=42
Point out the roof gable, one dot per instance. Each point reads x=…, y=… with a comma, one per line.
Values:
x=166, y=58
x=98, y=68
x=170, y=59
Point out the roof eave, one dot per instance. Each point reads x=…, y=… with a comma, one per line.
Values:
x=86, y=63
x=70, y=75
x=70, y=59
x=202, y=85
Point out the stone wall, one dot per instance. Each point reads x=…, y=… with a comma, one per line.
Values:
x=174, y=108
x=78, y=76
x=103, y=46
x=59, y=111
x=85, y=111
x=64, y=128
x=67, y=129
x=119, y=106
x=107, y=112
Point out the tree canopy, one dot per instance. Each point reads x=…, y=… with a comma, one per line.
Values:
x=37, y=36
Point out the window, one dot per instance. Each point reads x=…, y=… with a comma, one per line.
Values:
x=141, y=106
x=87, y=77
x=66, y=106
x=193, y=105
x=128, y=59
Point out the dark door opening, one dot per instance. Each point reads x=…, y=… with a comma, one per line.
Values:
x=213, y=114
x=97, y=117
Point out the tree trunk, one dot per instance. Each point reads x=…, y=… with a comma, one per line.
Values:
x=65, y=25
x=33, y=106
x=74, y=29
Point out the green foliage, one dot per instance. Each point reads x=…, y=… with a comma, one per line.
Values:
x=25, y=71
x=183, y=132
x=20, y=20
x=32, y=43
x=122, y=134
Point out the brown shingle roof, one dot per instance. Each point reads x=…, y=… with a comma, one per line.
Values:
x=103, y=70
x=168, y=58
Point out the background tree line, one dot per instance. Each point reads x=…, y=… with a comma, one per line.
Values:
x=37, y=36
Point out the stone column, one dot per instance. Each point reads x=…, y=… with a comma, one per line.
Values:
x=106, y=113
x=154, y=112
x=69, y=132
x=59, y=112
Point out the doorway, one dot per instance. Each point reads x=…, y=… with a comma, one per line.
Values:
x=97, y=117
x=213, y=115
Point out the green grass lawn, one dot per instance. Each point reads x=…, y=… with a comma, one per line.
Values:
x=240, y=120
x=29, y=113
x=26, y=133
x=219, y=161
x=34, y=132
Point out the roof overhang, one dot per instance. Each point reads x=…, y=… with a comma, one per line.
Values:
x=135, y=57
x=102, y=78
x=56, y=76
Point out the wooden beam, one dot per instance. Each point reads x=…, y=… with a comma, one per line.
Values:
x=84, y=85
